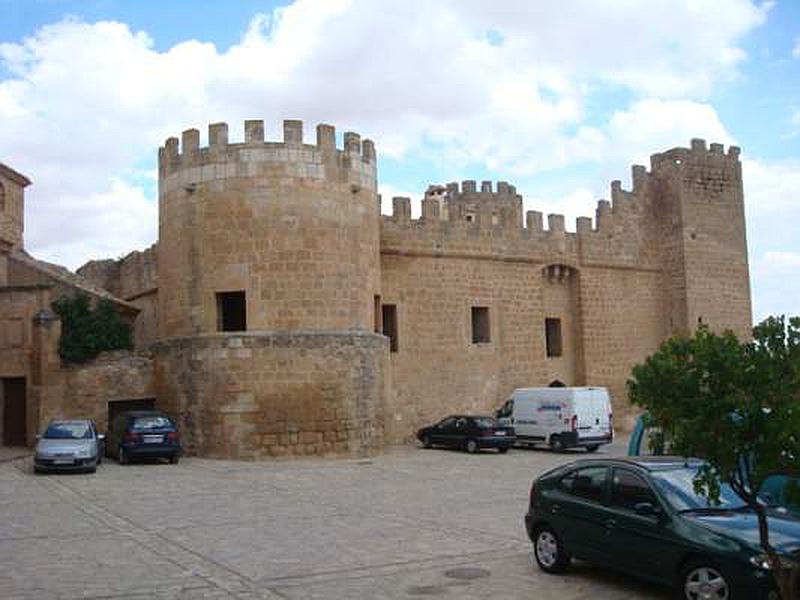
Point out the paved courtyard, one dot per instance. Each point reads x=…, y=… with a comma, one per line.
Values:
x=409, y=524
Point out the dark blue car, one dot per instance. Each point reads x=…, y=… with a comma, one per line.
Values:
x=143, y=434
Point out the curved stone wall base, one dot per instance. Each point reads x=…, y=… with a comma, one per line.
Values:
x=259, y=394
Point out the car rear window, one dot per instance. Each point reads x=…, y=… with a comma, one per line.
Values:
x=154, y=422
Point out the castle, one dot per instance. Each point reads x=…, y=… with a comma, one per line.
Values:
x=281, y=314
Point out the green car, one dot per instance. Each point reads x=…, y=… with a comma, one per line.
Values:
x=646, y=441
x=641, y=515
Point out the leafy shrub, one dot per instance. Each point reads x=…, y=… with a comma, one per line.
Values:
x=86, y=332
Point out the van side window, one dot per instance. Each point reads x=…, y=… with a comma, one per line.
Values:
x=588, y=483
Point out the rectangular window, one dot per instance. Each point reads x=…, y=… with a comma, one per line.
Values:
x=480, y=325
x=231, y=311
x=552, y=333
x=389, y=314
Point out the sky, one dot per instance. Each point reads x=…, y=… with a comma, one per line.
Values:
x=557, y=98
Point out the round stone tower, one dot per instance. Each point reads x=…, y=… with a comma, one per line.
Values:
x=268, y=278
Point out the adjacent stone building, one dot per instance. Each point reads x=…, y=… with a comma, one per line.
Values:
x=281, y=314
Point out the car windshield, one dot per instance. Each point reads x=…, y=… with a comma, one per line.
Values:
x=677, y=486
x=68, y=431
x=154, y=422
x=486, y=422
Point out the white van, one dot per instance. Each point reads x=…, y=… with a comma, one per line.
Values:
x=564, y=417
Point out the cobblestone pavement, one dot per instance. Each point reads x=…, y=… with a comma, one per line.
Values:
x=409, y=524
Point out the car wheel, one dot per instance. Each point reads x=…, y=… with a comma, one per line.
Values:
x=549, y=551
x=556, y=445
x=702, y=581
x=122, y=456
x=426, y=441
x=471, y=446
x=502, y=450
x=592, y=448
x=173, y=460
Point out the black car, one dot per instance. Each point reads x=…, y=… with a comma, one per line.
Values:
x=642, y=516
x=468, y=432
x=143, y=434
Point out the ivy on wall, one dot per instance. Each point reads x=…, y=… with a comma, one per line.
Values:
x=87, y=331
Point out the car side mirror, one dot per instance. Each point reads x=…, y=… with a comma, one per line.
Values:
x=647, y=509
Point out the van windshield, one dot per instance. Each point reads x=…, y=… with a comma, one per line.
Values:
x=506, y=410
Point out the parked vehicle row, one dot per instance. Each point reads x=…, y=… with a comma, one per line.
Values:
x=559, y=418
x=76, y=445
x=640, y=515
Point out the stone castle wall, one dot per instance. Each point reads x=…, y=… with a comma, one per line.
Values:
x=133, y=278
x=296, y=226
x=293, y=225
x=84, y=391
x=258, y=395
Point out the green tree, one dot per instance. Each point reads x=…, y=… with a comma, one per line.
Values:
x=86, y=332
x=736, y=405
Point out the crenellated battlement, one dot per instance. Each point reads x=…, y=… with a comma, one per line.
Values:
x=488, y=189
x=177, y=155
x=696, y=154
x=487, y=219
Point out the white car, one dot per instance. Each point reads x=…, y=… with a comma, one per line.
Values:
x=69, y=446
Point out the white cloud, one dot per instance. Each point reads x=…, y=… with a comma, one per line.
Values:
x=783, y=259
x=796, y=49
x=388, y=191
x=580, y=202
x=104, y=224
x=772, y=205
x=771, y=189
x=86, y=103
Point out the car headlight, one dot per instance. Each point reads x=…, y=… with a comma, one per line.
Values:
x=82, y=453
x=761, y=561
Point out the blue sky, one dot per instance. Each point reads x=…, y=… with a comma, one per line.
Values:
x=556, y=98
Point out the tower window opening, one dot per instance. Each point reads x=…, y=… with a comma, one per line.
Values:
x=2, y=197
x=389, y=314
x=480, y=325
x=231, y=311
x=552, y=334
